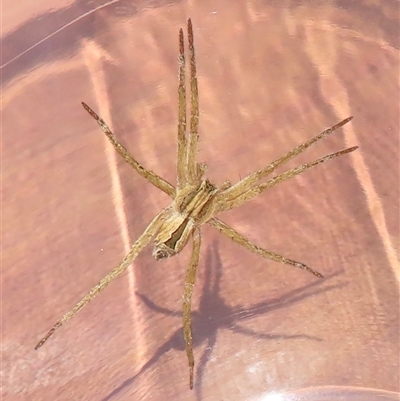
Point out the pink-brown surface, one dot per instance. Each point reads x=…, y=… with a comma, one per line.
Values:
x=270, y=77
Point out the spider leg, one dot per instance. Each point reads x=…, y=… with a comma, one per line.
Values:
x=153, y=178
x=182, y=143
x=142, y=241
x=187, y=301
x=195, y=170
x=256, y=190
x=243, y=241
x=246, y=183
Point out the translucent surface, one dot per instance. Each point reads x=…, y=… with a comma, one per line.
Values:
x=271, y=74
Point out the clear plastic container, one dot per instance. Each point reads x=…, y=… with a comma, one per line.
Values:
x=271, y=75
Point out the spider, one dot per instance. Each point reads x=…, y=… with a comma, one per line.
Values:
x=195, y=200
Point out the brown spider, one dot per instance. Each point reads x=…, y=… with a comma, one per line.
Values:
x=195, y=200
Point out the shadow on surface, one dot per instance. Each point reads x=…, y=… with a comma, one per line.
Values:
x=213, y=315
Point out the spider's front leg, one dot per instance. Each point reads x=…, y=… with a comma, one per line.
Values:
x=187, y=301
x=189, y=171
x=181, y=164
x=195, y=170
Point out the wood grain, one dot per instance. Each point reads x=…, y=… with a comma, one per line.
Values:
x=270, y=77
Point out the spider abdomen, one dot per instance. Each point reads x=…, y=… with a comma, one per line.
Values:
x=173, y=235
x=193, y=209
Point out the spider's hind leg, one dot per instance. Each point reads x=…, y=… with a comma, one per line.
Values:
x=243, y=241
x=187, y=301
x=137, y=247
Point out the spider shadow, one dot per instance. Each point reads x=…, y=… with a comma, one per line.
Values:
x=214, y=314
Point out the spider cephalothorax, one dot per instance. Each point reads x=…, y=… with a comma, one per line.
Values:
x=193, y=206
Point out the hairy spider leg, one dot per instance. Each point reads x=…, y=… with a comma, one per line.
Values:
x=181, y=164
x=190, y=280
x=153, y=178
x=256, y=190
x=195, y=170
x=142, y=241
x=246, y=183
x=243, y=241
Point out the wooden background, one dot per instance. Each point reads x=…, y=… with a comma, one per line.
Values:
x=271, y=74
